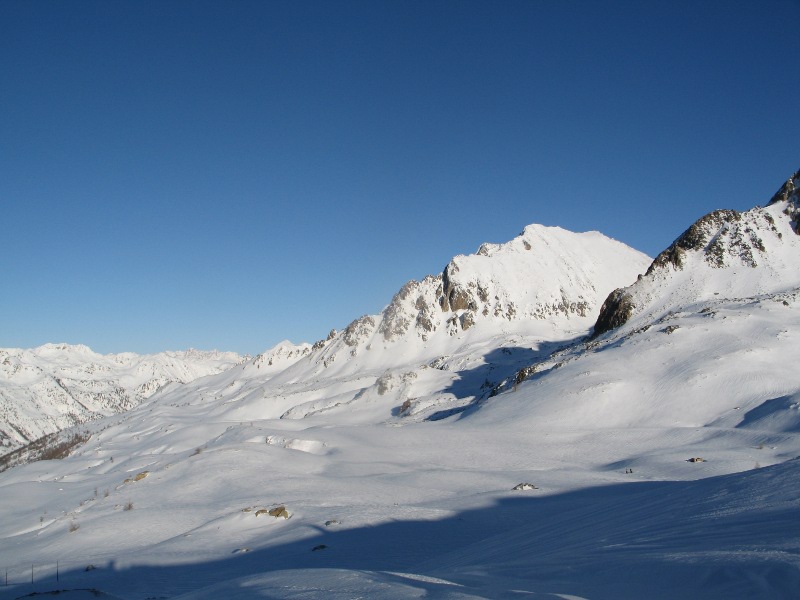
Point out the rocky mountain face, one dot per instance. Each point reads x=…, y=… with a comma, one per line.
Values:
x=49, y=388
x=705, y=338
x=725, y=253
x=546, y=276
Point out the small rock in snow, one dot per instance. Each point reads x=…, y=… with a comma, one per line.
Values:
x=524, y=486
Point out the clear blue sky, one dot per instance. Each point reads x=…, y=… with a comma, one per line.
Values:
x=225, y=175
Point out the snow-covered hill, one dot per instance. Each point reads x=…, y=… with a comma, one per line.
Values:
x=453, y=448
x=49, y=388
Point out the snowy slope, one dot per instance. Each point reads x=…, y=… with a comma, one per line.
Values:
x=659, y=455
x=401, y=510
x=45, y=389
x=442, y=343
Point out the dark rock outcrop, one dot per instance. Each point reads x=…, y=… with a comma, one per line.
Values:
x=615, y=312
x=358, y=330
x=454, y=297
x=790, y=192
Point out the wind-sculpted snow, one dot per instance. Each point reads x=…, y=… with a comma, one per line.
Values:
x=45, y=389
x=724, y=253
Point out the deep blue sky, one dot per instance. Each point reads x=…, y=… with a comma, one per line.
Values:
x=225, y=175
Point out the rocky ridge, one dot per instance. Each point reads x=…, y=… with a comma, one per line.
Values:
x=280, y=356
x=546, y=274
x=759, y=246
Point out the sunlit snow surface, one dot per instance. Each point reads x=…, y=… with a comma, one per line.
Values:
x=392, y=502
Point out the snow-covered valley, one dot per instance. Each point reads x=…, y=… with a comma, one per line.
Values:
x=654, y=459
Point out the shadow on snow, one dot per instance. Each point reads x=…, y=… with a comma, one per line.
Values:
x=624, y=540
x=496, y=374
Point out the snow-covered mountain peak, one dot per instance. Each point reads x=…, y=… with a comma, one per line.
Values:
x=544, y=272
x=546, y=277
x=64, y=351
x=724, y=254
x=63, y=347
x=523, y=242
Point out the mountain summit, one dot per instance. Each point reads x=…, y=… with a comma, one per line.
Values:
x=547, y=281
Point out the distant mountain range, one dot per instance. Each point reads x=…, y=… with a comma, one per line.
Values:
x=45, y=389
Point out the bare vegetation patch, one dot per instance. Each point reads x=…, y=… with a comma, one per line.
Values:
x=53, y=446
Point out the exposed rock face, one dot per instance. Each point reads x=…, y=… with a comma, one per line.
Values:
x=396, y=321
x=466, y=320
x=454, y=297
x=319, y=344
x=279, y=511
x=720, y=236
x=789, y=194
x=723, y=239
x=616, y=311
x=695, y=238
x=358, y=330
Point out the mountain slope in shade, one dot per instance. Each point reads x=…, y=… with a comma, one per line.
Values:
x=54, y=386
x=724, y=254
